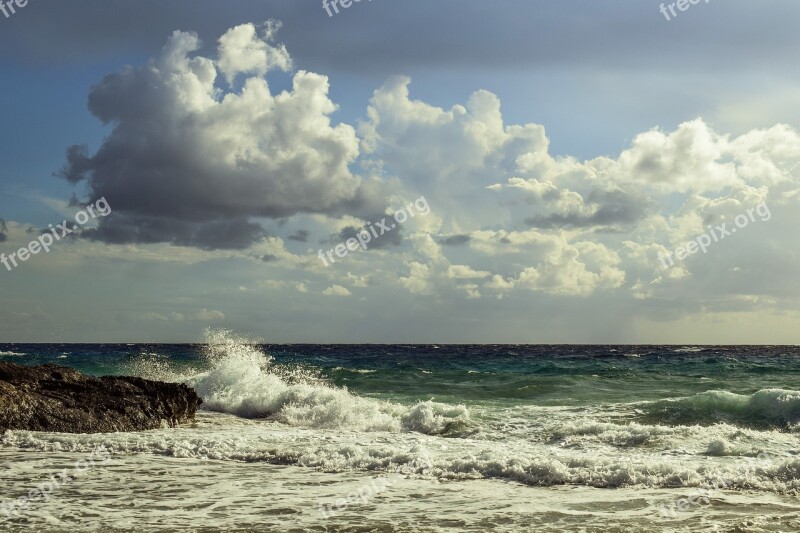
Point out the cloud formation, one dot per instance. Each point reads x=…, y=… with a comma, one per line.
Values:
x=190, y=163
x=203, y=154
x=559, y=225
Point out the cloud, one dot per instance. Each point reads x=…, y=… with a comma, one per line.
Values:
x=465, y=272
x=577, y=270
x=487, y=179
x=122, y=228
x=419, y=279
x=430, y=147
x=209, y=315
x=282, y=284
x=600, y=209
x=387, y=240
x=455, y=240
x=204, y=315
x=191, y=164
x=241, y=51
x=696, y=159
x=336, y=290
x=358, y=281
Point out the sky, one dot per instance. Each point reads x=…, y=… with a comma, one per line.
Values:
x=400, y=172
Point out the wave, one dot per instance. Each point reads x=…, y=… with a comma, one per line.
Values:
x=244, y=381
x=765, y=409
x=12, y=354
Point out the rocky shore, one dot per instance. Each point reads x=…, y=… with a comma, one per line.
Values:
x=57, y=399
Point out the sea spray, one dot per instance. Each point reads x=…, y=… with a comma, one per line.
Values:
x=243, y=380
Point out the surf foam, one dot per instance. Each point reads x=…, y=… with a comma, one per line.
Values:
x=244, y=381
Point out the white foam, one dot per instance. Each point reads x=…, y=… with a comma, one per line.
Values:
x=244, y=381
x=154, y=493
x=227, y=438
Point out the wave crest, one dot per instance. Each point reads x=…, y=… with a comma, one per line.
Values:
x=765, y=409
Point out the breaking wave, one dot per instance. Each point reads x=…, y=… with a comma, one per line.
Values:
x=241, y=379
x=765, y=409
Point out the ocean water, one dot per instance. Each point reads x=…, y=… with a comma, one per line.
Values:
x=426, y=438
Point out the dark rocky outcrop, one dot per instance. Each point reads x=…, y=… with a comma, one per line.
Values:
x=58, y=399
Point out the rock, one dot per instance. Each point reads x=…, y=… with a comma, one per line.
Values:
x=57, y=399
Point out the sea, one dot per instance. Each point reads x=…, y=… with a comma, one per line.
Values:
x=437, y=438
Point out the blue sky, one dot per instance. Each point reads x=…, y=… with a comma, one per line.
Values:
x=562, y=149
